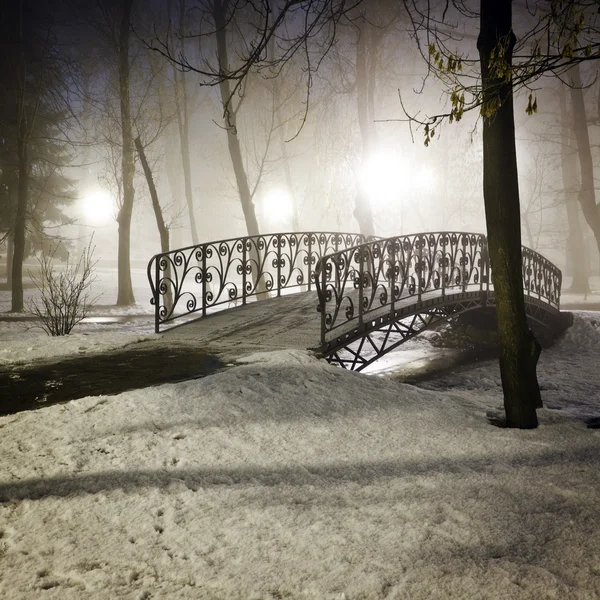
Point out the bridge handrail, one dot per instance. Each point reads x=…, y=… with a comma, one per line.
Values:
x=197, y=278
x=358, y=282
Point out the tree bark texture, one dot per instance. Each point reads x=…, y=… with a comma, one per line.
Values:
x=587, y=194
x=125, y=288
x=576, y=254
x=20, y=218
x=519, y=350
x=9, y=258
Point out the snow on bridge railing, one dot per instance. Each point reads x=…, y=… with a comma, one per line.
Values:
x=357, y=284
x=196, y=279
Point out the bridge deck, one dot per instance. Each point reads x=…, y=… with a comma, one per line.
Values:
x=291, y=321
x=288, y=322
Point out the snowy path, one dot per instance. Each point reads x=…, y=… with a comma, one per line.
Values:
x=288, y=478
x=289, y=322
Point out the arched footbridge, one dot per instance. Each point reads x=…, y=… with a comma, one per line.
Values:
x=368, y=295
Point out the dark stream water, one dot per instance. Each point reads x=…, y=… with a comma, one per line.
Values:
x=24, y=387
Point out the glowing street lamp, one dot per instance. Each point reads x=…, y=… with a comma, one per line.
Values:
x=97, y=207
x=382, y=176
x=277, y=206
x=390, y=181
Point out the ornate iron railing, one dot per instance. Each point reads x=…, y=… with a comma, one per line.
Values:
x=199, y=278
x=361, y=283
x=541, y=278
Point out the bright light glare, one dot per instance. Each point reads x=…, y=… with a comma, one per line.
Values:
x=425, y=178
x=387, y=177
x=98, y=206
x=383, y=177
x=277, y=205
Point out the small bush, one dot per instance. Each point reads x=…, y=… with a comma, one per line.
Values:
x=65, y=298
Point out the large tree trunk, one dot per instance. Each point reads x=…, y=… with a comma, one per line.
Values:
x=365, y=81
x=20, y=221
x=575, y=245
x=183, y=123
x=125, y=288
x=587, y=194
x=519, y=350
x=10, y=247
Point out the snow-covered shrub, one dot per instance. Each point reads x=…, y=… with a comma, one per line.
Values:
x=65, y=292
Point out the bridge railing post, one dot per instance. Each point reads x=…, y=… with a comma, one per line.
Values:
x=361, y=293
x=278, y=265
x=464, y=274
x=443, y=269
x=156, y=296
x=419, y=265
x=244, y=267
x=540, y=278
x=322, y=298
x=335, y=249
x=204, y=274
x=392, y=252
x=484, y=284
x=309, y=262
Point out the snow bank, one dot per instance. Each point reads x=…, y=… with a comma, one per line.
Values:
x=584, y=333
x=288, y=478
x=39, y=346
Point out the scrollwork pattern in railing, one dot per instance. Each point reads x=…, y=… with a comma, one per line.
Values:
x=541, y=278
x=203, y=277
x=357, y=283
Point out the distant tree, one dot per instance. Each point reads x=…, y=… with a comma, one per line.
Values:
x=576, y=251
x=127, y=102
x=587, y=191
x=35, y=109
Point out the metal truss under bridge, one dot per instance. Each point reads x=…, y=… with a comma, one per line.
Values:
x=373, y=294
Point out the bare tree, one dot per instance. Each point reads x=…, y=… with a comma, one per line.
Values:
x=34, y=95
x=587, y=192
x=575, y=243
x=125, y=294
x=64, y=292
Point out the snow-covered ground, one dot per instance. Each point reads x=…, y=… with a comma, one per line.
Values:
x=284, y=477
x=593, y=298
